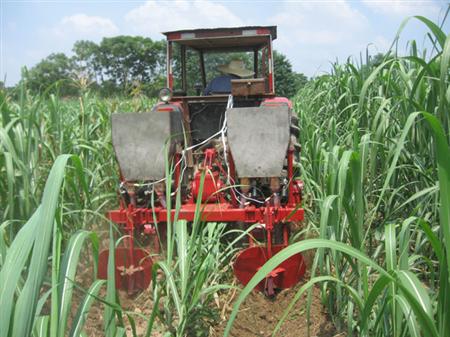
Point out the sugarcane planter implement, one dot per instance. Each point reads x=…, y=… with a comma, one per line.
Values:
x=232, y=147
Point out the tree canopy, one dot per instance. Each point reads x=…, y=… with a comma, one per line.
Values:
x=121, y=64
x=55, y=69
x=287, y=81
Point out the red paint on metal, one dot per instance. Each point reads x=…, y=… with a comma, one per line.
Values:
x=277, y=101
x=169, y=65
x=133, y=266
x=131, y=275
x=211, y=186
x=270, y=59
x=165, y=109
x=270, y=82
x=211, y=183
x=216, y=208
x=263, y=31
x=217, y=212
x=222, y=33
x=286, y=275
x=250, y=260
x=173, y=36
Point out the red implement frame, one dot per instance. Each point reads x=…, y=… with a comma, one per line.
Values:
x=133, y=270
x=133, y=217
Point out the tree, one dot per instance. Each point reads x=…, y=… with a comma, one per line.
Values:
x=123, y=62
x=287, y=81
x=137, y=64
x=128, y=59
x=372, y=62
x=87, y=59
x=54, y=68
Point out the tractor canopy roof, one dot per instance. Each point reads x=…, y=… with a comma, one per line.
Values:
x=216, y=39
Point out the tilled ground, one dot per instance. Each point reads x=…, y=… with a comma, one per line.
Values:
x=259, y=315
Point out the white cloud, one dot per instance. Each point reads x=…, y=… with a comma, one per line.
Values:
x=381, y=44
x=404, y=8
x=321, y=23
x=313, y=34
x=156, y=16
x=85, y=25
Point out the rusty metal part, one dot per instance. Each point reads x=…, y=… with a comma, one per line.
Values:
x=275, y=184
x=245, y=185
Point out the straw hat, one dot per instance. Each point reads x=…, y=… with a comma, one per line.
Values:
x=235, y=67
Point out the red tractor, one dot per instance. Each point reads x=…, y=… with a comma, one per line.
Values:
x=241, y=137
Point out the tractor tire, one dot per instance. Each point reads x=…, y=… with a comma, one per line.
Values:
x=295, y=130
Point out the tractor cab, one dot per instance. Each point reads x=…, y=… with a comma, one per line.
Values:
x=233, y=154
x=194, y=59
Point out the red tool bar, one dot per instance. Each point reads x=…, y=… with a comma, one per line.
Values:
x=221, y=212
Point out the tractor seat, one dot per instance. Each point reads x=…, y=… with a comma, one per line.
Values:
x=220, y=85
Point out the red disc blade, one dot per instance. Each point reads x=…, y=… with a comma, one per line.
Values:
x=294, y=269
x=250, y=260
x=248, y=263
x=133, y=271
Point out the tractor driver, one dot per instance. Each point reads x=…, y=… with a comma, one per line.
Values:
x=222, y=84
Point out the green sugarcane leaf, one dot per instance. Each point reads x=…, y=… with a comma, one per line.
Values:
x=41, y=327
x=84, y=307
x=288, y=252
x=67, y=277
x=15, y=260
x=414, y=330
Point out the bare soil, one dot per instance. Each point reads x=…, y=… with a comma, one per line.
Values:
x=259, y=315
x=138, y=308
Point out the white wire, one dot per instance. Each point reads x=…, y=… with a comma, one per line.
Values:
x=222, y=133
x=224, y=143
x=183, y=152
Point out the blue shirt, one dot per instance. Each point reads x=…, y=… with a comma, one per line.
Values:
x=220, y=84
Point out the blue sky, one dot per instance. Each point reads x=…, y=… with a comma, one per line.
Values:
x=310, y=33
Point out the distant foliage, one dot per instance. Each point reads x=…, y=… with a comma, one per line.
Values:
x=287, y=81
x=55, y=70
x=121, y=63
x=134, y=64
